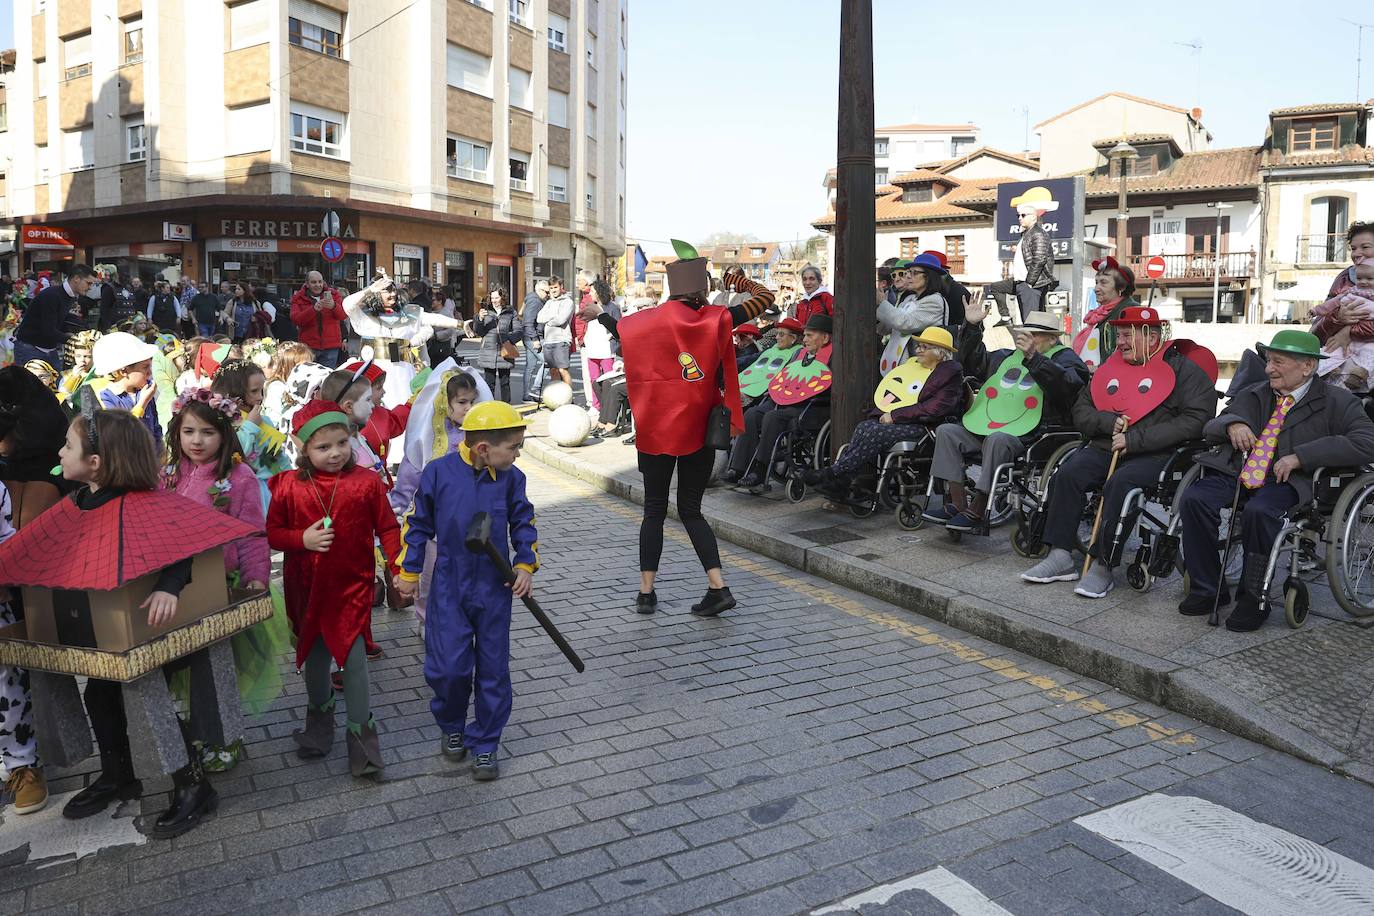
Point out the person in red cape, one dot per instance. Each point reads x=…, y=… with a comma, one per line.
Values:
x=680, y=366
x=325, y=517
x=1114, y=288
x=1141, y=424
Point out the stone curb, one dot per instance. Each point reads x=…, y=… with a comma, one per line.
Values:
x=1147, y=677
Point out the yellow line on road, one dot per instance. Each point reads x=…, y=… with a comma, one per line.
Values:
x=1000, y=665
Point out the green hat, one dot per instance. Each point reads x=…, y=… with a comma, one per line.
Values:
x=1294, y=343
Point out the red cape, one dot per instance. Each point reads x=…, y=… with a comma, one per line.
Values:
x=103, y=548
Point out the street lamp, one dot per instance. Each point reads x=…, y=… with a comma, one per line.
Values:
x=1216, y=260
x=1121, y=154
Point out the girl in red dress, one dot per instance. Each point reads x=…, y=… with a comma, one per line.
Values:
x=325, y=517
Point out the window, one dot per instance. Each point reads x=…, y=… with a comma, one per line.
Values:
x=591, y=120
x=249, y=129
x=558, y=108
x=78, y=150
x=909, y=248
x=880, y=146
x=558, y=184
x=469, y=70
x=135, y=140
x=521, y=89
x=519, y=12
x=249, y=24
x=519, y=170
x=315, y=28
x=879, y=177
x=558, y=33
x=591, y=193
x=315, y=130
x=133, y=40
x=468, y=159
x=591, y=49
x=40, y=79
x=1312, y=134
x=76, y=57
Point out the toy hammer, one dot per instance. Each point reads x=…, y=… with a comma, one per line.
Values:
x=479, y=541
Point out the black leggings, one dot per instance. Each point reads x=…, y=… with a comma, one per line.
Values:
x=694, y=471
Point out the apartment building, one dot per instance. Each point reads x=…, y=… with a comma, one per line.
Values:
x=470, y=142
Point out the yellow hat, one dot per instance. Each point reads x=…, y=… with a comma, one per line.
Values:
x=490, y=415
x=937, y=337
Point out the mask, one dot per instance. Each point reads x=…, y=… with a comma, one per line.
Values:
x=1010, y=401
x=753, y=381
x=901, y=387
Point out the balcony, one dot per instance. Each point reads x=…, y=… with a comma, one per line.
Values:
x=1322, y=249
x=1198, y=266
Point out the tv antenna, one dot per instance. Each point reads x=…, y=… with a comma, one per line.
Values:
x=1196, y=47
x=1359, y=50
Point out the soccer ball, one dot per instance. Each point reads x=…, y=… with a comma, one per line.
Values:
x=569, y=426
x=557, y=394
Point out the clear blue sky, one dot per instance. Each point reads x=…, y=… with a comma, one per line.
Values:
x=732, y=105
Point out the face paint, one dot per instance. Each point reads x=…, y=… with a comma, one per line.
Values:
x=800, y=380
x=901, y=387
x=1010, y=401
x=753, y=381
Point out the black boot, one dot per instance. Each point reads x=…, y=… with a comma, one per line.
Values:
x=1252, y=606
x=116, y=781
x=192, y=798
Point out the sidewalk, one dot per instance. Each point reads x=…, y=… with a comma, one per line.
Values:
x=1305, y=692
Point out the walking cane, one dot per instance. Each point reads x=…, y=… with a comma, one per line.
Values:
x=478, y=540
x=1101, y=502
x=1226, y=553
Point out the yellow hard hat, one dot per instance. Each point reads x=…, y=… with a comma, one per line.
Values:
x=490, y=415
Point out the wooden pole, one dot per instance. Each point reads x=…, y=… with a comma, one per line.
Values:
x=854, y=362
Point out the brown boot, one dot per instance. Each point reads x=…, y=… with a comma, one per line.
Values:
x=316, y=739
x=364, y=751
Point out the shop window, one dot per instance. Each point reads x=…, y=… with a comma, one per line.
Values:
x=78, y=150
x=519, y=12
x=591, y=193
x=136, y=140
x=521, y=88
x=1310, y=135
x=558, y=108
x=469, y=70
x=558, y=184
x=468, y=159
x=558, y=33
x=519, y=170
x=76, y=57
x=316, y=130
x=133, y=40
x=249, y=24
x=315, y=28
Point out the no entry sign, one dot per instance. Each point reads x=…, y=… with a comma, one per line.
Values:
x=1154, y=268
x=332, y=250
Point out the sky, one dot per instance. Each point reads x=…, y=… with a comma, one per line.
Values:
x=732, y=105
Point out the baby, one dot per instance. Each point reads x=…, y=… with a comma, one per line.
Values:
x=1347, y=361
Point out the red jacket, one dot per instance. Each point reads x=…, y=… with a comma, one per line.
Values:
x=822, y=303
x=319, y=330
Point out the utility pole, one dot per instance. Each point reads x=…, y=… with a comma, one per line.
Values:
x=854, y=360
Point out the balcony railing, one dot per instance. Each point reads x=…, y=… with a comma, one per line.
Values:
x=1322, y=249
x=1201, y=265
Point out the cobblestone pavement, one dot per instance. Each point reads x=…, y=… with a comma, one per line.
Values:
x=809, y=746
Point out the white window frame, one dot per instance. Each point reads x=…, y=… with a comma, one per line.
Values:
x=250, y=24
x=520, y=157
x=76, y=56
x=83, y=141
x=519, y=12
x=468, y=70
x=469, y=172
x=590, y=188
x=558, y=184
x=520, y=84
x=135, y=146
x=301, y=143
x=126, y=28
x=558, y=108
x=558, y=33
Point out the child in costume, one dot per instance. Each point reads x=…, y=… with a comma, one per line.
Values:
x=206, y=466
x=1348, y=361
x=467, y=631
x=128, y=364
x=436, y=431
x=263, y=445
x=109, y=451
x=24, y=783
x=325, y=517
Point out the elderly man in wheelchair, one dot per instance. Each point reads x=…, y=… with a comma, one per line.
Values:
x=1273, y=436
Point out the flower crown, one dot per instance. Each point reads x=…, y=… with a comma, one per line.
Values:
x=229, y=406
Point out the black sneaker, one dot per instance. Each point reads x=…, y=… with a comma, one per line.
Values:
x=453, y=748
x=484, y=767
x=646, y=604
x=717, y=601
x=1201, y=605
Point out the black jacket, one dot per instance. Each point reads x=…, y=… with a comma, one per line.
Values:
x=44, y=318
x=1038, y=253
x=1181, y=417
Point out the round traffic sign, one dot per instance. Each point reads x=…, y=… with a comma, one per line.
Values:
x=332, y=250
x=1155, y=267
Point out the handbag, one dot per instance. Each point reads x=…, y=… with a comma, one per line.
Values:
x=509, y=351
x=718, y=428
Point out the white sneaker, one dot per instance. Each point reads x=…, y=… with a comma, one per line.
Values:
x=1057, y=567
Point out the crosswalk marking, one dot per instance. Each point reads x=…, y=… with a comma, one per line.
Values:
x=50, y=836
x=1251, y=866
x=945, y=886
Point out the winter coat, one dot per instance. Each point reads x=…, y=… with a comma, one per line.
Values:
x=499, y=328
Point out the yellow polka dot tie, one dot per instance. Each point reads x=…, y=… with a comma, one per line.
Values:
x=1262, y=454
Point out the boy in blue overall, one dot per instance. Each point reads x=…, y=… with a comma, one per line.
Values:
x=467, y=626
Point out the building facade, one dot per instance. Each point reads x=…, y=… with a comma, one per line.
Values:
x=470, y=142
